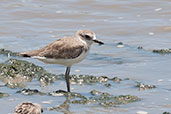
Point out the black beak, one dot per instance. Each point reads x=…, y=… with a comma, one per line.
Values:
x=99, y=42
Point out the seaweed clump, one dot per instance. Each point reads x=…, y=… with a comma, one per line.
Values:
x=166, y=113
x=30, y=92
x=162, y=51
x=87, y=79
x=8, y=53
x=97, y=97
x=3, y=95
x=106, y=99
x=142, y=86
x=14, y=72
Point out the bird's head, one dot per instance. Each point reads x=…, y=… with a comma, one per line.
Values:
x=88, y=36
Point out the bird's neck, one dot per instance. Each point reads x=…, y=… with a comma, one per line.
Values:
x=88, y=43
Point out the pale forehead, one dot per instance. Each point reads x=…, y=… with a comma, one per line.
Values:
x=86, y=32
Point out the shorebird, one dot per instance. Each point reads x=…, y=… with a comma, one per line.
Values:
x=28, y=108
x=66, y=51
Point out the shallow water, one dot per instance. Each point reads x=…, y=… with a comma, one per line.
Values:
x=28, y=24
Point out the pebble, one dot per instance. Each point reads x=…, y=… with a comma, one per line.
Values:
x=141, y=112
x=160, y=80
x=120, y=45
x=58, y=11
x=140, y=47
x=47, y=102
x=151, y=33
x=158, y=9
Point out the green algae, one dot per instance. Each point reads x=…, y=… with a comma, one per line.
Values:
x=8, y=53
x=162, y=51
x=106, y=99
x=30, y=92
x=166, y=113
x=116, y=79
x=108, y=85
x=14, y=72
x=88, y=79
x=12, y=84
x=58, y=93
x=96, y=97
x=64, y=107
x=142, y=86
x=95, y=92
x=3, y=95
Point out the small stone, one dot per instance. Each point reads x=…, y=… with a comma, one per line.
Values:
x=30, y=92
x=47, y=102
x=103, y=79
x=108, y=85
x=160, y=80
x=58, y=93
x=141, y=112
x=58, y=11
x=140, y=47
x=120, y=45
x=151, y=33
x=158, y=9
x=116, y=79
x=95, y=92
x=142, y=86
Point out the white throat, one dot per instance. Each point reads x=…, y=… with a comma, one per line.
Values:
x=88, y=43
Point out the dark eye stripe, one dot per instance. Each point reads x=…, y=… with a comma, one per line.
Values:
x=87, y=37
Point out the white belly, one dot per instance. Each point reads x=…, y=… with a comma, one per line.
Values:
x=65, y=62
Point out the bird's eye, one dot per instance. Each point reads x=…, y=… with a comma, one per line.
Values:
x=87, y=37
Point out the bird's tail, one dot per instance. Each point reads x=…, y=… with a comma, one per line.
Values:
x=24, y=54
x=30, y=53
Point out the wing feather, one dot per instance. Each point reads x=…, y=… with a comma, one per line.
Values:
x=60, y=49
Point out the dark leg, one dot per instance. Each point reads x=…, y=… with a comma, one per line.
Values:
x=67, y=78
